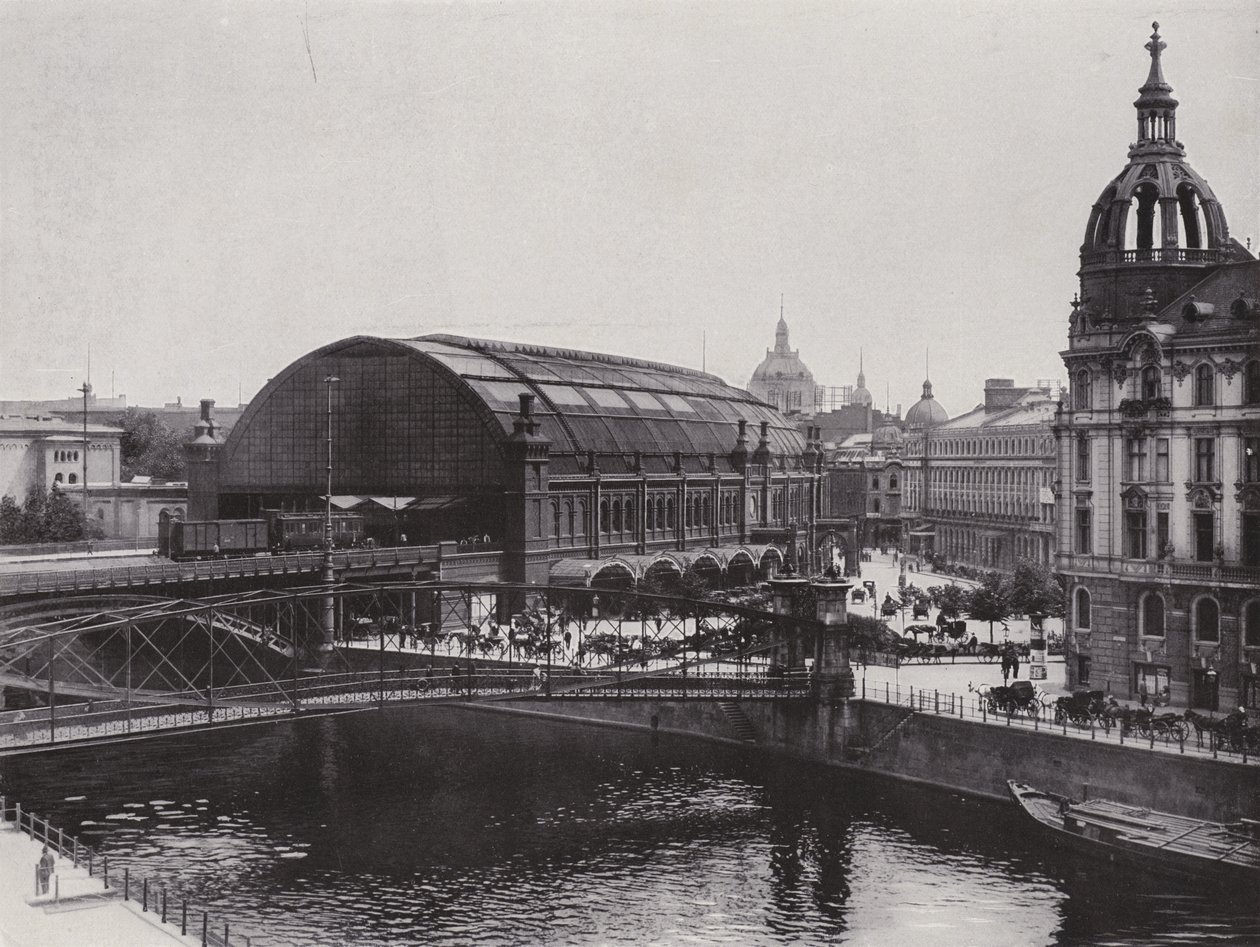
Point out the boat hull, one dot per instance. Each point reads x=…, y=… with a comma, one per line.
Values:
x=1044, y=808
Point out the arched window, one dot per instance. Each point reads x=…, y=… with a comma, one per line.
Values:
x=568, y=510
x=708, y=510
x=73, y=478
x=76, y=456
x=627, y=517
x=1251, y=383
x=1082, y=609
x=555, y=518
x=669, y=513
x=1153, y=615
x=583, y=517
x=1251, y=624
x=604, y=517
x=616, y=516
x=892, y=482
x=660, y=512
x=1207, y=620
x=1150, y=383
x=58, y=478
x=1204, y=385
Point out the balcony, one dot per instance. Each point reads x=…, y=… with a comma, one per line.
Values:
x=1139, y=408
x=1153, y=255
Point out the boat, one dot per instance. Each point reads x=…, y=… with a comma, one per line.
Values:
x=1160, y=842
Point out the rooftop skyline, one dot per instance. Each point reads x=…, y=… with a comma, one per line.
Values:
x=202, y=199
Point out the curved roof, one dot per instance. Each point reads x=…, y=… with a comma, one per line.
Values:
x=587, y=401
x=927, y=410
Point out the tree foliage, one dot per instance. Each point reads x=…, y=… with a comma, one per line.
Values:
x=46, y=517
x=1034, y=589
x=990, y=601
x=150, y=448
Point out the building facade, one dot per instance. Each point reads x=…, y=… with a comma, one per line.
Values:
x=579, y=467
x=1158, y=485
x=979, y=486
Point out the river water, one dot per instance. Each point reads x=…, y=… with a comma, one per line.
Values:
x=447, y=826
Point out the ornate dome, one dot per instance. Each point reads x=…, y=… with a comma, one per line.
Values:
x=926, y=411
x=1157, y=211
x=782, y=379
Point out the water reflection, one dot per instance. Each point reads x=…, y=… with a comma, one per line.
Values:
x=448, y=826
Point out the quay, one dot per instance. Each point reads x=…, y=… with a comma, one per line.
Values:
x=79, y=909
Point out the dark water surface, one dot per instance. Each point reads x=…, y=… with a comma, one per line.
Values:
x=444, y=826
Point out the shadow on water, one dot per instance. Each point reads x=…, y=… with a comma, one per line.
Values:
x=445, y=826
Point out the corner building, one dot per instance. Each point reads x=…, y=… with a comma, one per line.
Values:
x=576, y=467
x=1158, y=444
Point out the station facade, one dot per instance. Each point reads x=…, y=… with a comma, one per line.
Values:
x=579, y=467
x=1158, y=444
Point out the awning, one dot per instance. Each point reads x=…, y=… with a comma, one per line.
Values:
x=344, y=502
x=925, y=531
x=439, y=503
x=391, y=502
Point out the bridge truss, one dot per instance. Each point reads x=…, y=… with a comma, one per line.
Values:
x=106, y=672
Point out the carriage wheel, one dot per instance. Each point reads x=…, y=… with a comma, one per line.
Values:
x=1182, y=730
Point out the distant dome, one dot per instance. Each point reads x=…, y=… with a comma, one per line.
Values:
x=860, y=394
x=887, y=436
x=926, y=411
x=782, y=379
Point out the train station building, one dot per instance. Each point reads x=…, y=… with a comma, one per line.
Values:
x=572, y=467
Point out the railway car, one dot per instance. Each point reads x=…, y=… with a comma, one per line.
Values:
x=208, y=539
x=294, y=532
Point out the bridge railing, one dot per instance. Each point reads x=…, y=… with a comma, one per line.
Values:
x=89, y=867
x=163, y=571
x=1043, y=718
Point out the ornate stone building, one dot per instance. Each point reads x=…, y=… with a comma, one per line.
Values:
x=1158, y=486
x=782, y=380
x=979, y=484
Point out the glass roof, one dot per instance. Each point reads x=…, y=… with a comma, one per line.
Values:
x=608, y=404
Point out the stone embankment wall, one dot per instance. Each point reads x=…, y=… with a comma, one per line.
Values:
x=960, y=755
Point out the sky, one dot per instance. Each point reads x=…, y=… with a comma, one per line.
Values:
x=204, y=192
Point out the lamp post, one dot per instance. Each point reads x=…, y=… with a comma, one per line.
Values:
x=85, y=389
x=328, y=575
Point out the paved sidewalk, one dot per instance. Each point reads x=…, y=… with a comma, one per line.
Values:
x=86, y=914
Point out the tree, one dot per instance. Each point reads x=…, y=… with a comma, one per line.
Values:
x=990, y=601
x=1034, y=589
x=45, y=517
x=149, y=447
x=952, y=600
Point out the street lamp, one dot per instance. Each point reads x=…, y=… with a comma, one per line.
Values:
x=85, y=389
x=328, y=573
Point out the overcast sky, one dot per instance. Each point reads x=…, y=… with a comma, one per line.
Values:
x=191, y=190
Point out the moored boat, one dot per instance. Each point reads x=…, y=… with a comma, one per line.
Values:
x=1154, y=841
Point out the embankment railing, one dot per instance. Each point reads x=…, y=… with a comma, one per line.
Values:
x=153, y=895
x=1042, y=718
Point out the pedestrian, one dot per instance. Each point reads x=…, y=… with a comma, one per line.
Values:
x=1014, y=664
x=45, y=869
x=1006, y=667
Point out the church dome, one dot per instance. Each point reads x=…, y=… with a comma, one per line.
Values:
x=926, y=411
x=860, y=394
x=782, y=379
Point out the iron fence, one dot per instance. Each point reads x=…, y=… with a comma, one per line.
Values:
x=152, y=894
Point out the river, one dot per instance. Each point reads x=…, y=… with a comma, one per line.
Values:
x=447, y=826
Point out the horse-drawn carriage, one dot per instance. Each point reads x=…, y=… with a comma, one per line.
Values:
x=1082, y=708
x=1144, y=722
x=1020, y=697
x=1227, y=733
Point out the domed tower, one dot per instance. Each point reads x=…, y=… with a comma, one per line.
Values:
x=782, y=380
x=860, y=393
x=927, y=411
x=1157, y=225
